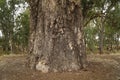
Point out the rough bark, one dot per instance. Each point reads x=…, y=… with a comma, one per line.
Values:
x=56, y=38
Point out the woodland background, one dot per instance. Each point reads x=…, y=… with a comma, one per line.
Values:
x=101, y=26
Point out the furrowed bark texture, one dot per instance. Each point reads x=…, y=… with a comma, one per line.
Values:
x=56, y=38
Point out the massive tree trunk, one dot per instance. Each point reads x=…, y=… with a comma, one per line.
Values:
x=56, y=36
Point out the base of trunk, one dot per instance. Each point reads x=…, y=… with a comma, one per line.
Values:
x=57, y=64
x=41, y=66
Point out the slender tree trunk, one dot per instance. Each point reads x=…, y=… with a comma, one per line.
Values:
x=56, y=38
x=101, y=36
x=117, y=42
x=111, y=47
x=6, y=46
x=101, y=42
x=11, y=44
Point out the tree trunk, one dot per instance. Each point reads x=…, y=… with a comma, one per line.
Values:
x=101, y=36
x=56, y=38
x=117, y=42
x=101, y=41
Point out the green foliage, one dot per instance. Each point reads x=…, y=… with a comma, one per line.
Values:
x=9, y=25
x=22, y=30
x=109, y=12
x=90, y=37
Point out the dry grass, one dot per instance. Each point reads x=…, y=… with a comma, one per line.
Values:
x=101, y=67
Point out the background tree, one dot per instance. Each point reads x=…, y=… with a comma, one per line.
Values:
x=8, y=14
x=99, y=14
x=21, y=34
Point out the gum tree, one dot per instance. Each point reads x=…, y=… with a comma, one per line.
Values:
x=56, y=35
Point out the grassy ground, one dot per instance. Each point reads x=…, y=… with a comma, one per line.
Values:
x=101, y=67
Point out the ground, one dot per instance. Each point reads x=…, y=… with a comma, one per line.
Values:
x=101, y=67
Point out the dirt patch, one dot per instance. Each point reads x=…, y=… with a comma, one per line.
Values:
x=101, y=67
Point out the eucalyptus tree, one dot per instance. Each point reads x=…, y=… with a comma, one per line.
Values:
x=92, y=10
x=113, y=27
x=8, y=11
x=21, y=33
x=6, y=23
x=56, y=35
